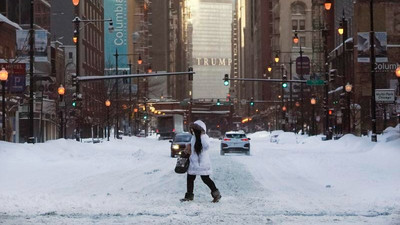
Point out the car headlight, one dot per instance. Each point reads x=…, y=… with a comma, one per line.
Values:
x=175, y=147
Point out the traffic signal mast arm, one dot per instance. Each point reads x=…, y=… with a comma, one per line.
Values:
x=268, y=80
x=110, y=77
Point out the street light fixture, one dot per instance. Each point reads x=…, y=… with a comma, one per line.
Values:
x=341, y=28
x=398, y=72
x=3, y=79
x=61, y=90
x=269, y=68
x=313, y=101
x=276, y=58
x=61, y=93
x=108, y=104
x=328, y=5
x=348, y=87
x=295, y=38
x=140, y=61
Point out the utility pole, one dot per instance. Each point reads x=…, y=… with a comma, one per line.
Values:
x=117, y=93
x=31, y=138
x=130, y=99
x=372, y=61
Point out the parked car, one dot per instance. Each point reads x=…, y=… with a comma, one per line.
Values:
x=235, y=142
x=179, y=142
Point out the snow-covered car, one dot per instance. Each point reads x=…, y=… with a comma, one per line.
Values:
x=178, y=144
x=235, y=142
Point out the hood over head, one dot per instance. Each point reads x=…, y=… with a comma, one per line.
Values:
x=200, y=125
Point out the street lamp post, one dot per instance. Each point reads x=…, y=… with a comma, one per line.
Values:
x=282, y=100
x=3, y=79
x=130, y=100
x=61, y=92
x=348, y=89
x=31, y=138
x=117, y=93
x=313, y=102
x=108, y=104
x=342, y=30
x=398, y=87
x=76, y=40
x=296, y=40
x=374, y=138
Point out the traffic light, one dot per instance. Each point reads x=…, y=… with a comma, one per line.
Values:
x=332, y=75
x=74, y=100
x=226, y=80
x=330, y=112
x=145, y=116
x=74, y=79
x=252, y=101
x=218, y=102
x=190, y=69
x=284, y=81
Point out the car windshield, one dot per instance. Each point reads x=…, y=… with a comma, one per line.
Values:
x=182, y=138
x=235, y=135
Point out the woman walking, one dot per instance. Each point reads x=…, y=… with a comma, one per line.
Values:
x=200, y=163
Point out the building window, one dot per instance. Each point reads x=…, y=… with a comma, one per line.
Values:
x=294, y=24
x=303, y=41
x=70, y=55
x=302, y=24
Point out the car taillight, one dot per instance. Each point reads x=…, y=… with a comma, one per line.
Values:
x=227, y=139
x=245, y=139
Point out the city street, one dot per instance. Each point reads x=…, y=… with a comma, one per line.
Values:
x=300, y=180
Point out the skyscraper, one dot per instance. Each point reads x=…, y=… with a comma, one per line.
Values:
x=211, y=47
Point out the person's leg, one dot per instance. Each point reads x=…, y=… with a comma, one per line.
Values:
x=207, y=180
x=190, y=186
x=214, y=191
x=190, y=183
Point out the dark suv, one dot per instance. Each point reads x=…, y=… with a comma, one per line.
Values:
x=178, y=144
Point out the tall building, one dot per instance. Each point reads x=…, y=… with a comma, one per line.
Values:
x=91, y=52
x=252, y=35
x=18, y=11
x=212, y=25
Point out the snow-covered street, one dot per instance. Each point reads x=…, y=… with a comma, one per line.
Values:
x=132, y=181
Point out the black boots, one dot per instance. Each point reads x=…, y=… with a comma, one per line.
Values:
x=188, y=197
x=216, y=195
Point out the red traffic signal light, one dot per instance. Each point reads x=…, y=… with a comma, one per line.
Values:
x=330, y=112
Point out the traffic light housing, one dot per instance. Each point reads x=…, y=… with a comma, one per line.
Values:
x=284, y=81
x=252, y=101
x=190, y=77
x=73, y=100
x=218, y=102
x=331, y=112
x=145, y=116
x=74, y=79
x=226, y=80
x=332, y=75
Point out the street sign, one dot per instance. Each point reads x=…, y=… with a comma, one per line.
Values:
x=384, y=95
x=315, y=82
x=303, y=65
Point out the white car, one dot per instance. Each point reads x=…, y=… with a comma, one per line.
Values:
x=235, y=142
